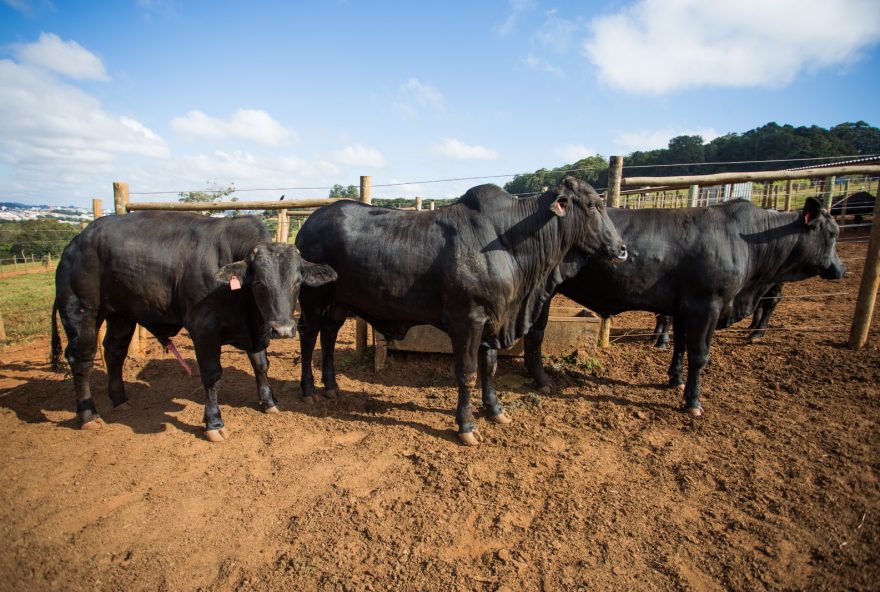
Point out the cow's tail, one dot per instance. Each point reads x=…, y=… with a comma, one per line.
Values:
x=55, y=358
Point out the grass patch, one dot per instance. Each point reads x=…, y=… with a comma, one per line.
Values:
x=26, y=305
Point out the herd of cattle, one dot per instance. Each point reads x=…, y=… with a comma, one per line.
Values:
x=483, y=270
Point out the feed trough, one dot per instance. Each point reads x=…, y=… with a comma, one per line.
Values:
x=568, y=329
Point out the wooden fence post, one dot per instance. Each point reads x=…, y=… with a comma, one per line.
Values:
x=120, y=197
x=97, y=209
x=829, y=192
x=787, y=205
x=120, y=203
x=282, y=231
x=418, y=204
x=360, y=337
x=2, y=328
x=858, y=333
x=615, y=172
x=431, y=206
x=693, y=195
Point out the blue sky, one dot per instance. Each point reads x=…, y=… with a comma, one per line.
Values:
x=174, y=95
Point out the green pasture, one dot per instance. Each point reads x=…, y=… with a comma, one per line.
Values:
x=26, y=305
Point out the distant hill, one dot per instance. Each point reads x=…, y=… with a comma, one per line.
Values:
x=21, y=206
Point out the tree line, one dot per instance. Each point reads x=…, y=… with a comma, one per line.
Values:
x=35, y=237
x=766, y=143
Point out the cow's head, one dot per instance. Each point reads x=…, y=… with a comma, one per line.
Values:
x=274, y=272
x=593, y=230
x=820, y=237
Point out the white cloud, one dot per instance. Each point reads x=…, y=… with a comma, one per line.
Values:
x=517, y=9
x=359, y=155
x=536, y=63
x=658, y=46
x=571, y=153
x=453, y=148
x=43, y=120
x=414, y=96
x=68, y=58
x=247, y=124
x=655, y=139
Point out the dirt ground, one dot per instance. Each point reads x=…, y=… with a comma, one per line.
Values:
x=602, y=485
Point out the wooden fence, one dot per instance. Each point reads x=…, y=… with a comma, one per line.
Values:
x=671, y=191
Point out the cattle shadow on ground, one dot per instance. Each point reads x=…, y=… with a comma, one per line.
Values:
x=154, y=395
x=425, y=370
x=159, y=390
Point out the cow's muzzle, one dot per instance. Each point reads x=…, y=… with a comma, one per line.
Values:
x=282, y=330
x=620, y=254
x=835, y=271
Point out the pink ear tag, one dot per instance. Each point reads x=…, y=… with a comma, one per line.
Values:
x=807, y=218
x=234, y=284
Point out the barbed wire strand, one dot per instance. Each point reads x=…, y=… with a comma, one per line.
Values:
x=501, y=176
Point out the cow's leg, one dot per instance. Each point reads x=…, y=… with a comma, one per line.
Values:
x=661, y=331
x=676, y=368
x=533, y=358
x=119, y=332
x=260, y=364
x=81, y=327
x=487, y=361
x=208, y=357
x=465, y=337
x=761, y=318
x=309, y=327
x=700, y=329
x=330, y=325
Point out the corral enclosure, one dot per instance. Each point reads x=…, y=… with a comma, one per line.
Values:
x=603, y=484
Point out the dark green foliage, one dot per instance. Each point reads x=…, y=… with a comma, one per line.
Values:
x=771, y=142
x=35, y=237
x=339, y=191
x=593, y=170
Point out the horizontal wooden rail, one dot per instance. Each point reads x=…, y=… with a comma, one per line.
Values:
x=722, y=178
x=228, y=205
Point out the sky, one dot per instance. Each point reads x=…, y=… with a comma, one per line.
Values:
x=427, y=98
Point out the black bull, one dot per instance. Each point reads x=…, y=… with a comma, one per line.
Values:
x=480, y=269
x=705, y=267
x=221, y=279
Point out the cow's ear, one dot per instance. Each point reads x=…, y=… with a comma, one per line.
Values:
x=317, y=274
x=560, y=205
x=236, y=269
x=811, y=212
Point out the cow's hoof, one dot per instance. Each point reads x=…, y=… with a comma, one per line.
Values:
x=678, y=387
x=756, y=339
x=545, y=390
x=331, y=393
x=309, y=400
x=94, y=424
x=126, y=406
x=218, y=435
x=502, y=418
x=273, y=409
x=471, y=438
x=694, y=411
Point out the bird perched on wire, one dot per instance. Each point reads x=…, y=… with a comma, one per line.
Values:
x=281, y=198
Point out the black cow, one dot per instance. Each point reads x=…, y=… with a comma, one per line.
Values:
x=760, y=319
x=859, y=205
x=220, y=278
x=480, y=269
x=706, y=267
